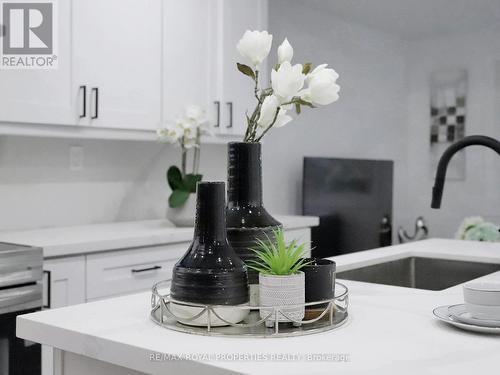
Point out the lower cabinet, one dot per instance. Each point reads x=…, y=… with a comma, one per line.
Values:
x=130, y=270
x=64, y=285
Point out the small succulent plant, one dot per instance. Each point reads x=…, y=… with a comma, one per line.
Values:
x=277, y=257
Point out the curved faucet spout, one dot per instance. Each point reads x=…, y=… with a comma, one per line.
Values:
x=473, y=140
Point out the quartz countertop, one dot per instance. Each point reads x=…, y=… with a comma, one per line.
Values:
x=73, y=240
x=391, y=330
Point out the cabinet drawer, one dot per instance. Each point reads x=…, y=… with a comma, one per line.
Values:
x=130, y=270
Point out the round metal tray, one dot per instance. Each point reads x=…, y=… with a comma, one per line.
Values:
x=320, y=316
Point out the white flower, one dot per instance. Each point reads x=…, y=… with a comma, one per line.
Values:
x=287, y=81
x=282, y=118
x=268, y=111
x=323, y=88
x=285, y=52
x=195, y=114
x=171, y=133
x=466, y=224
x=255, y=46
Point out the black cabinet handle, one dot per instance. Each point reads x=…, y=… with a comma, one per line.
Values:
x=49, y=292
x=230, y=109
x=217, y=108
x=84, y=101
x=146, y=269
x=95, y=90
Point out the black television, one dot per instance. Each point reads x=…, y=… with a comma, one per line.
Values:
x=353, y=199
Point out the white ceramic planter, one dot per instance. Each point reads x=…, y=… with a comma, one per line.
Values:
x=183, y=216
x=281, y=291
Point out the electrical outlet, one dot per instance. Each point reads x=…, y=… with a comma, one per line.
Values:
x=75, y=158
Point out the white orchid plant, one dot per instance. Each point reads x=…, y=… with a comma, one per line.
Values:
x=186, y=132
x=292, y=86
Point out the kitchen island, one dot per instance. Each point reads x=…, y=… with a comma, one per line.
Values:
x=390, y=330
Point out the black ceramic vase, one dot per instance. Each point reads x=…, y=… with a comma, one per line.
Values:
x=320, y=280
x=247, y=219
x=210, y=272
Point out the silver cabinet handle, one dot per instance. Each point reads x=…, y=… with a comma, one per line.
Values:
x=83, y=89
x=230, y=109
x=95, y=92
x=217, y=109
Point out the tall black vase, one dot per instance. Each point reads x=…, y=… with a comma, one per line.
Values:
x=210, y=272
x=247, y=219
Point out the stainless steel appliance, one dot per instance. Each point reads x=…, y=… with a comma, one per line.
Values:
x=20, y=293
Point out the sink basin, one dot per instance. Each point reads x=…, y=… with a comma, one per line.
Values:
x=420, y=272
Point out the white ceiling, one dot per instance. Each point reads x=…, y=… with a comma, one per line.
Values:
x=418, y=19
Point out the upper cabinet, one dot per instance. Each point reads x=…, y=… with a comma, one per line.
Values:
x=126, y=66
x=42, y=95
x=117, y=61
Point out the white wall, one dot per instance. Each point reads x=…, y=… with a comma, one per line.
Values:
x=120, y=181
x=367, y=122
x=479, y=193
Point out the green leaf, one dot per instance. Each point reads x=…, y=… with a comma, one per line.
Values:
x=178, y=198
x=306, y=68
x=190, y=182
x=297, y=108
x=246, y=70
x=174, y=178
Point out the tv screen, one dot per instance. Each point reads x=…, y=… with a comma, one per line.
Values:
x=353, y=198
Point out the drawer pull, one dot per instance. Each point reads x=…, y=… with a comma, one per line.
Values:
x=146, y=269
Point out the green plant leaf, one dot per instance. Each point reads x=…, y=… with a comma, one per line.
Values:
x=297, y=108
x=303, y=102
x=190, y=182
x=246, y=70
x=306, y=68
x=174, y=178
x=178, y=198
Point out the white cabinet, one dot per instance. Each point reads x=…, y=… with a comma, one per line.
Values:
x=117, y=57
x=190, y=51
x=237, y=89
x=43, y=96
x=130, y=270
x=64, y=285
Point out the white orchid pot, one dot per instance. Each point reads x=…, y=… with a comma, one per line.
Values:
x=183, y=216
x=282, y=298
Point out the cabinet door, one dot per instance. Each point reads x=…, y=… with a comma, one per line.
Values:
x=117, y=53
x=43, y=96
x=64, y=285
x=189, y=56
x=238, y=16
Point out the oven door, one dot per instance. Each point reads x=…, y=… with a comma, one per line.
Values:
x=18, y=356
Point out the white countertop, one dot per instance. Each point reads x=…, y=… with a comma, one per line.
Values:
x=65, y=241
x=390, y=330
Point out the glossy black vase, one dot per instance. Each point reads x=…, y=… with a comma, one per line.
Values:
x=247, y=219
x=210, y=272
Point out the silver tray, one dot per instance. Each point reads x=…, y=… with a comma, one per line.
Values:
x=320, y=316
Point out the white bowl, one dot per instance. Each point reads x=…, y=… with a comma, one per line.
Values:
x=232, y=314
x=486, y=293
x=483, y=311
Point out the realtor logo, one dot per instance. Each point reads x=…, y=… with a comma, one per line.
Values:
x=28, y=40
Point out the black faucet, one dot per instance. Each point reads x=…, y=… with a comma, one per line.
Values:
x=473, y=140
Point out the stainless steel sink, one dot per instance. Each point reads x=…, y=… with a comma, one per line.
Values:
x=420, y=273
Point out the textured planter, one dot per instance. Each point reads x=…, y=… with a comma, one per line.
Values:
x=210, y=272
x=280, y=291
x=247, y=219
x=183, y=216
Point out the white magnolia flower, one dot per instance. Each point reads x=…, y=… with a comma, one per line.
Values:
x=268, y=111
x=323, y=88
x=287, y=81
x=255, y=46
x=282, y=118
x=285, y=52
